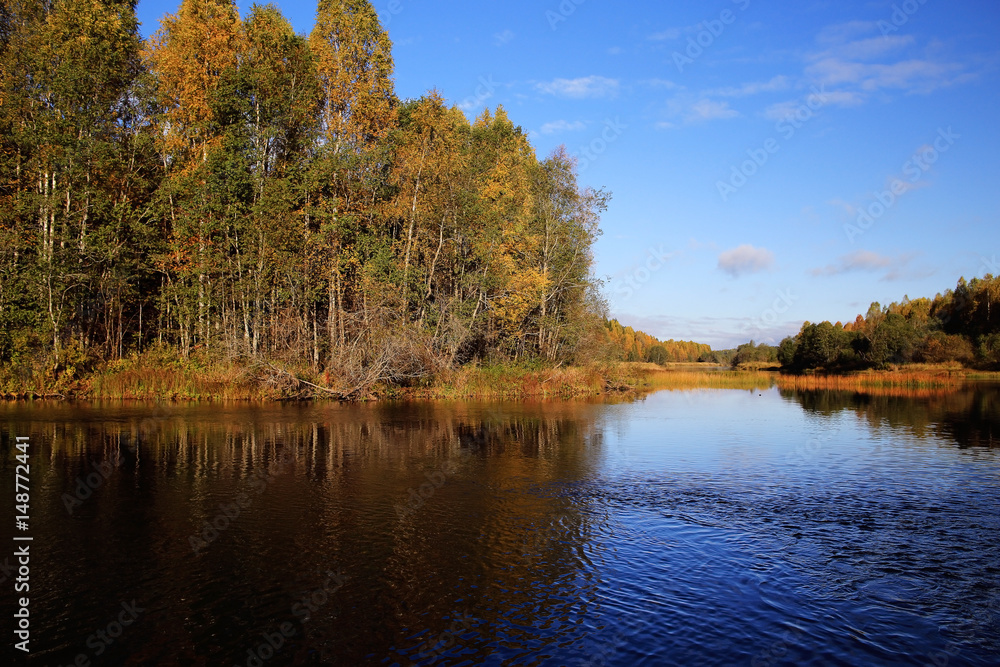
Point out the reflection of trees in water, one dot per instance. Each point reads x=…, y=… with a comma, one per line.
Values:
x=970, y=416
x=492, y=524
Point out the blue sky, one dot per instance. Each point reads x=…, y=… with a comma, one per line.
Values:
x=771, y=163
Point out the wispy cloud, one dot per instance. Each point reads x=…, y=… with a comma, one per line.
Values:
x=776, y=84
x=839, y=33
x=865, y=261
x=710, y=110
x=562, y=126
x=504, y=37
x=685, y=109
x=667, y=35
x=855, y=57
x=914, y=76
x=860, y=260
x=840, y=98
x=584, y=87
x=662, y=83
x=746, y=259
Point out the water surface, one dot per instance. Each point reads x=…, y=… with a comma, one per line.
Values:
x=709, y=527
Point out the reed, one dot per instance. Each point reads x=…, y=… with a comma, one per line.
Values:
x=709, y=379
x=510, y=382
x=154, y=376
x=150, y=378
x=901, y=379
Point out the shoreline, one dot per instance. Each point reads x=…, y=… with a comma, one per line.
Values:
x=139, y=380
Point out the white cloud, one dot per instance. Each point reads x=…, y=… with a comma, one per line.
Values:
x=860, y=260
x=865, y=49
x=847, y=207
x=841, y=98
x=590, y=86
x=661, y=83
x=504, y=37
x=864, y=261
x=667, y=35
x=842, y=32
x=916, y=76
x=685, y=109
x=710, y=110
x=850, y=55
x=562, y=126
x=776, y=84
x=746, y=259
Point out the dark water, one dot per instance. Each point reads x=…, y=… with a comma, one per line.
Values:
x=686, y=528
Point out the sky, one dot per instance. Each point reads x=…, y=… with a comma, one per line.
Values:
x=770, y=163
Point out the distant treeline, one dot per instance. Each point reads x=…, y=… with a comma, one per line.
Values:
x=631, y=345
x=961, y=325
x=232, y=189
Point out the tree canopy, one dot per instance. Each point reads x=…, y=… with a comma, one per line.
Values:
x=230, y=188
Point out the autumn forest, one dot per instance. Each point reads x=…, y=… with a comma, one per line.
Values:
x=229, y=188
x=230, y=192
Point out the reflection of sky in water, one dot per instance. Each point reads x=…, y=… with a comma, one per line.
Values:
x=815, y=532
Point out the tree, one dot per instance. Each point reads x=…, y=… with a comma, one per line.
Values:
x=72, y=165
x=358, y=106
x=566, y=225
x=188, y=58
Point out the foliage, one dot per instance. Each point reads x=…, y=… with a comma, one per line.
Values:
x=957, y=326
x=749, y=353
x=627, y=344
x=230, y=190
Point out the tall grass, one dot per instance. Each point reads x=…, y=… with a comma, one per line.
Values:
x=921, y=379
x=505, y=382
x=685, y=379
x=156, y=376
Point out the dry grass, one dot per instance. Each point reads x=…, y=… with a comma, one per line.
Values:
x=902, y=379
x=140, y=381
x=720, y=379
x=157, y=377
x=506, y=382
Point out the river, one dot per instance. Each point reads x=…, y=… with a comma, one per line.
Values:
x=707, y=527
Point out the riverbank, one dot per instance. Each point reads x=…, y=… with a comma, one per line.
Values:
x=151, y=377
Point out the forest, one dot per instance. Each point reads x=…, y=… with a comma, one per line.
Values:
x=230, y=190
x=956, y=327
